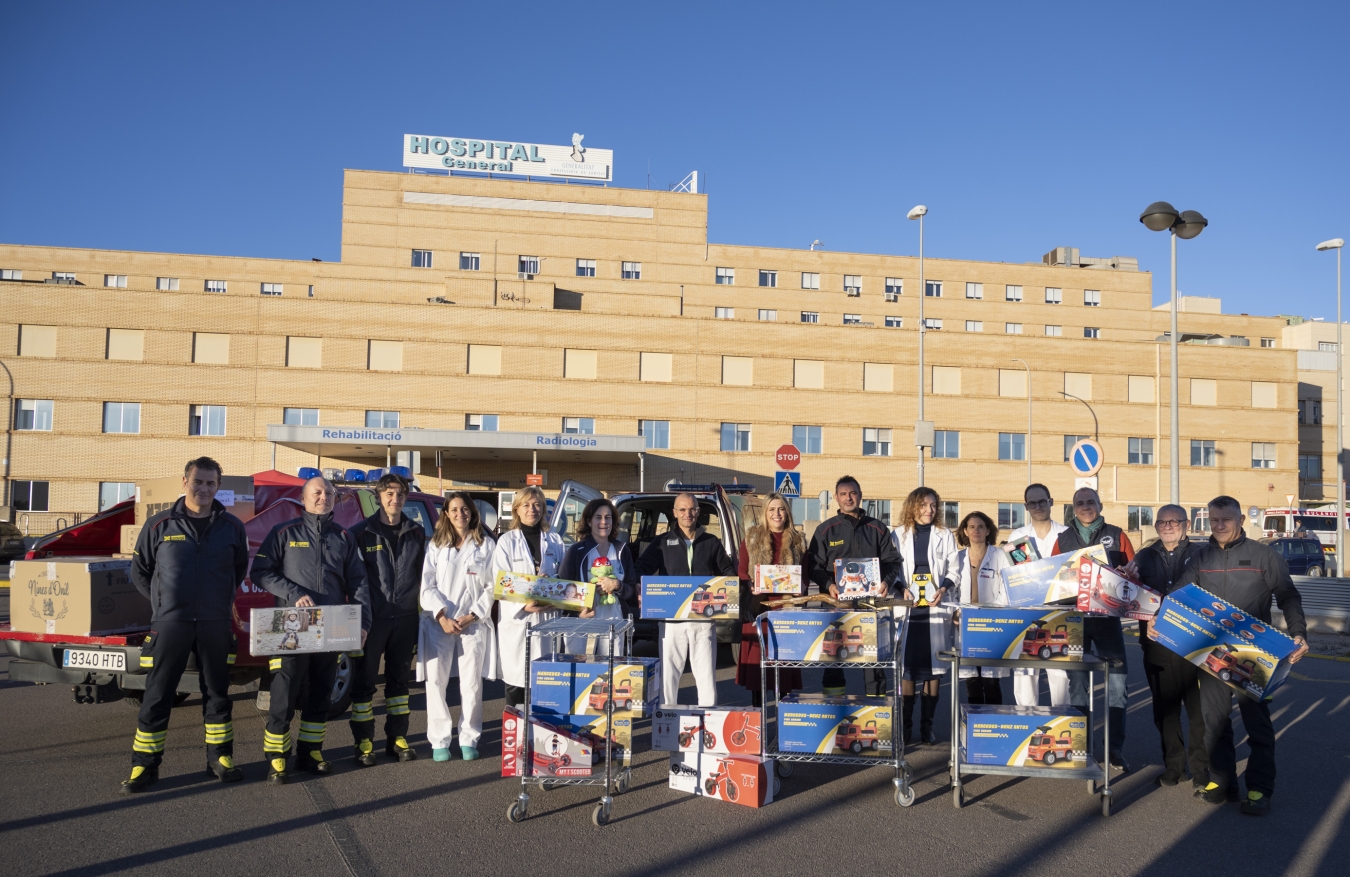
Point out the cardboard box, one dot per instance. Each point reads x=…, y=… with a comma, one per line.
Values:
x=596, y=726
x=1023, y=736
x=1051, y=580
x=154, y=495
x=831, y=635
x=1106, y=592
x=847, y=725
x=780, y=579
x=76, y=596
x=130, y=533
x=858, y=577
x=738, y=779
x=519, y=587
x=1221, y=639
x=557, y=750
x=691, y=598
x=294, y=631
x=1021, y=550
x=578, y=685
x=1012, y=633
x=707, y=730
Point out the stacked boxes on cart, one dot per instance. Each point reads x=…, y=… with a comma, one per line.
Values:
x=1010, y=633
x=559, y=750
x=691, y=598
x=835, y=725
x=827, y=635
x=715, y=753
x=1023, y=736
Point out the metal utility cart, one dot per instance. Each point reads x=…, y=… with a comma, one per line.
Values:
x=1093, y=772
x=610, y=631
x=784, y=761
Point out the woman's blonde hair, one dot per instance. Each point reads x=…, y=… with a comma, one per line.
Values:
x=909, y=512
x=445, y=532
x=759, y=538
x=521, y=496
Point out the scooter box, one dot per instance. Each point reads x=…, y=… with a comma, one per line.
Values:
x=1221, y=639
x=579, y=685
x=1049, y=580
x=707, y=730
x=295, y=631
x=779, y=579
x=558, y=750
x=519, y=587
x=1106, y=592
x=595, y=725
x=1023, y=736
x=835, y=725
x=1010, y=633
x=691, y=598
x=829, y=635
x=738, y=779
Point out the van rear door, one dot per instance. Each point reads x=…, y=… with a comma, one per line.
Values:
x=572, y=499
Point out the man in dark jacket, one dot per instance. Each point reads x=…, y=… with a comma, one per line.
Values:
x=1102, y=635
x=188, y=562
x=688, y=550
x=393, y=547
x=308, y=561
x=850, y=533
x=1247, y=574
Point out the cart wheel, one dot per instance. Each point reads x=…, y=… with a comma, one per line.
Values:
x=904, y=795
x=621, y=785
x=909, y=775
x=600, y=815
x=783, y=768
x=1106, y=805
x=546, y=786
x=516, y=812
x=958, y=798
x=1092, y=787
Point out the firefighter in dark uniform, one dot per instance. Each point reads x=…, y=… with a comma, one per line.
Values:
x=308, y=561
x=393, y=547
x=188, y=562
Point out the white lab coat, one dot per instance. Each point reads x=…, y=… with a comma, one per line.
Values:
x=1045, y=546
x=992, y=593
x=513, y=555
x=941, y=555
x=1026, y=683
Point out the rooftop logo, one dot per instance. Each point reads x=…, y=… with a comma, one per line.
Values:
x=508, y=157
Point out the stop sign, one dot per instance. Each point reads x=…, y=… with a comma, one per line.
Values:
x=788, y=457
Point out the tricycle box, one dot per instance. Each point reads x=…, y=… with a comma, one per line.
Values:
x=76, y=596
x=828, y=635
x=691, y=598
x=1010, y=633
x=292, y=630
x=738, y=779
x=1049, y=580
x=595, y=725
x=777, y=579
x=1106, y=592
x=1023, y=736
x=557, y=750
x=1226, y=642
x=578, y=685
x=823, y=725
x=519, y=587
x=708, y=730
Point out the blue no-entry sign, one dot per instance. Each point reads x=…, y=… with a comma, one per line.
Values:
x=1086, y=458
x=787, y=483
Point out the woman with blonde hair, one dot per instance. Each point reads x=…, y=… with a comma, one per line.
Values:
x=774, y=541
x=456, y=636
x=527, y=547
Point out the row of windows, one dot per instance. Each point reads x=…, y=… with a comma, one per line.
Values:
x=163, y=284
x=527, y=266
x=770, y=315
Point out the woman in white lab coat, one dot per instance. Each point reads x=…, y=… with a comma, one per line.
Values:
x=456, y=636
x=527, y=547
x=979, y=581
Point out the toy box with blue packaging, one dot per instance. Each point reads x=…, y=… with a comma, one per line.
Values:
x=1049, y=580
x=1023, y=736
x=828, y=635
x=857, y=577
x=1010, y=633
x=567, y=685
x=710, y=730
x=747, y=780
x=835, y=725
x=1216, y=636
x=691, y=598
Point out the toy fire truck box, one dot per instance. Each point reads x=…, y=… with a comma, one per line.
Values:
x=1023, y=736
x=519, y=587
x=707, y=730
x=595, y=726
x=76, y=596
x=558, y=750
x=691, y=598
x=1012, y=633
x=579, y=685
x=780, y=579
x=1220, y=638
x=1021, y=550
x=828, y=725
x=1050, y=580
x=739, y=779
x=294, y=631
x=857, y=577
x=829, y=635
x=1107, y=592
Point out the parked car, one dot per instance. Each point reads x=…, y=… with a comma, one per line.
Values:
x=1305, y=556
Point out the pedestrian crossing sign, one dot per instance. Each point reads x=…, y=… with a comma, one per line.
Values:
x=787, y=483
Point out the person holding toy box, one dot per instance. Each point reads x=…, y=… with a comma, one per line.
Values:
x=773, y=542
x=594, y=558
x=1043, y=530
x=979, y=583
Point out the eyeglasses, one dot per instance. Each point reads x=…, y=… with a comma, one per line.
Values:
x=1037, y=504
x=1167, y=525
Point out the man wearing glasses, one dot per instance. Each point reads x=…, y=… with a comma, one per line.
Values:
x=1044, y=530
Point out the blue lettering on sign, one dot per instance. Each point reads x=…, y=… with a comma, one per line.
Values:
x=565, y=441
x=365, y=435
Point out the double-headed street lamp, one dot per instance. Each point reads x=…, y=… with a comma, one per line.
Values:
x=1338, y=244
x=1161, y=216
x=919, y=427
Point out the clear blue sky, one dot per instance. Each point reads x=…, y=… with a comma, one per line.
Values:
x=224, y=129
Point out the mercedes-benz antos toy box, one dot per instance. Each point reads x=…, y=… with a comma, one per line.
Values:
x=827, y=635
x=579, y=685
x=835, y=725
x=707, y=730
x=1023, y=736
x=691, y=598
x=1049, y=580
x=1010, y=634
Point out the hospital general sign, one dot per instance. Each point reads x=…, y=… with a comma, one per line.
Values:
x=577, y=161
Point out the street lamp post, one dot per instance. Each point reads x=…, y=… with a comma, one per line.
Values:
x=1028, y=368
x=1338, y=244
x=918, y=213
x=1161, y=216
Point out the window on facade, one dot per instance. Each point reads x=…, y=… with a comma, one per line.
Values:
x=810, y=280
x=725, y=313
x=1263, y=455
x=527, y=265
x=735, y=437
x=1091, y=332
x=876, y=442
x=632, y=270
x=1310, y=468
x=1054, y=331
x=895, y=287
x=950, y=515
x=1199, y=519
x=110, y=493
x=1203, y=453
x=1011, y=515
x=975, y=291
x=1138, y=517
x=1140, y=452
x=480, y=422
x=1267, y=342
x=806, y=439
x=115, y=281
x=1054, y=296
x=216, y=286
x=11, y=274
x=974, y=325
x=656, y=433
x=810, y=317
x=1328, y=346
x=33, y=414
x=122, y=417
x=271, y=289
x=29, y=496
x=805, y=510
x=768, y=315
x=1069, y=442
x=852, y=319
x=1012, y=446
x=726, y=276
x=578, y=426
x=853, y=284
x=470, y=261
x=879, y=509
x=585, y=267
x=206, y=420
x=768, y=278
x=300, y=416
x=1012, y=328
x=64, y=276
x=1092, y=298
x=931, y=323
x=382, y=419
x=421, y=258
x=932, y=288
x=1310, y=411
x=946, y=444
x=1012, y=293
x=895, y=322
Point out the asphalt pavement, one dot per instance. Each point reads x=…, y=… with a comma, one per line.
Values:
x=61, y=812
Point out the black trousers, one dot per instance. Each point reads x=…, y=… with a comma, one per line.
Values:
x=984, y=689
x=1175, y=682
x=394, y=640
x=1216, y=703
x=300, y=676
x=166, y=651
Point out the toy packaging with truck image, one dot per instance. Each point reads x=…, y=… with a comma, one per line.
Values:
x=1049, y=580
x=779, y=579
x=519, y=587
x=830, y=635
x=835, y=725
x=738, y=779
x=1011, y=633
x=1021, y=550
x=707, y=730
x=857, y=577
x=1023, y=736
x=595, y=725
x=1104, y=591
x=558, y=750
x=295, y=631
x=579, y=685
x=1219, y=638
x=691, y=598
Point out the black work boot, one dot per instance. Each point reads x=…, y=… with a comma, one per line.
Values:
x=141, y=779
x=907, y=712
x=398, y=748
x=276, y=768
x=223, y=769
x=314, y=762
x=365, y=753
x=927, y=708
